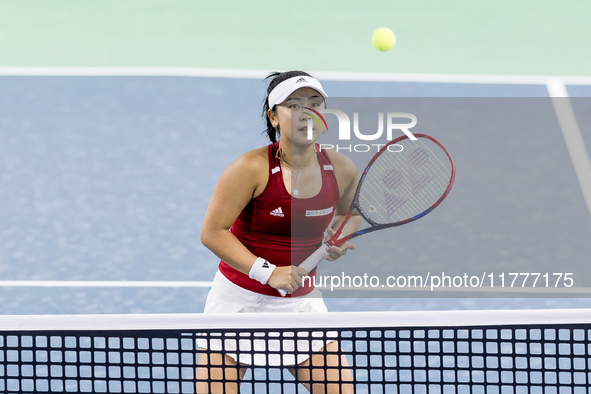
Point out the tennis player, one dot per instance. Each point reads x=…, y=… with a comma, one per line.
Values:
x=271, y=208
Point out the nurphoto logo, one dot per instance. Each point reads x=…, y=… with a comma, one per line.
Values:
x=392, y=125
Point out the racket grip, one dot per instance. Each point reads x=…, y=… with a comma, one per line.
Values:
x=311, y=262
x=315, y=258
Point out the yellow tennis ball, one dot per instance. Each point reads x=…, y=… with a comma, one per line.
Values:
x=383, y=39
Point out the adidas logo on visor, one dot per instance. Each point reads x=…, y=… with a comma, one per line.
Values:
x=301, y=80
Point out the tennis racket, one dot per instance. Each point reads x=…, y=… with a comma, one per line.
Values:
x=403, y=182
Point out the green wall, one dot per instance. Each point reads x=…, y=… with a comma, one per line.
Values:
x=454, y=36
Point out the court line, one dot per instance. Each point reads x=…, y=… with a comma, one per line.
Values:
x=103, y=283
x=571, y=133
x=555, y=85
x=132, y=71
x=208, y=284
x=259, y=74
x=548, y=291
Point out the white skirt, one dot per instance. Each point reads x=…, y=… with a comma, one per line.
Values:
x=227, y=297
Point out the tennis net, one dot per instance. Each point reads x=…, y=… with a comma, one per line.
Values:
x=520, y=351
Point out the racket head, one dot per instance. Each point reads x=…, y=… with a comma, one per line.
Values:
x=405, y=180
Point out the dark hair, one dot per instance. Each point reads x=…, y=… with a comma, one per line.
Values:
x=277, y=79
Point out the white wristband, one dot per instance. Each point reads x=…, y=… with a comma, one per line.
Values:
x=261, y=270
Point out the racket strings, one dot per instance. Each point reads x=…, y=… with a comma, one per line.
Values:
x=396, y=199
x=405, y=196
x=441, y=169
x=419, y=179
x=400, y=185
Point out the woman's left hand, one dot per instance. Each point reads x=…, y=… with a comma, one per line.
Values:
x=334, y=252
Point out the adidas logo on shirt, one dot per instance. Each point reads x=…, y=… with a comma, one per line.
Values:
x=277, y=212
x=301, y=80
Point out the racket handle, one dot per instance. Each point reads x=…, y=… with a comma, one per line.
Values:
x=311, y=262
x=315, y=258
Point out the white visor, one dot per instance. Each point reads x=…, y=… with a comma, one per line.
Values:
x=287, y=87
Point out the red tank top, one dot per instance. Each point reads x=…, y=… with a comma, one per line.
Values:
x=282, y=229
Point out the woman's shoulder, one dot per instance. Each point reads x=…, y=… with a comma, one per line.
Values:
x=342, y=163
x=255, y=157
x=250, y=170
x=253, y=160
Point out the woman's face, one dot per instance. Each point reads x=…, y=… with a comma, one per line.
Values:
x=292, y=116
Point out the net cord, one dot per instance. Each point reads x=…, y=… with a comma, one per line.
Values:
x=189, y=321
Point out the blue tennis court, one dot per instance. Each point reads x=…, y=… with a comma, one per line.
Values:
x=106, y=179
x=117, y=119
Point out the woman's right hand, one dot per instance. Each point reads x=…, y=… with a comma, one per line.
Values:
x=287, y=278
